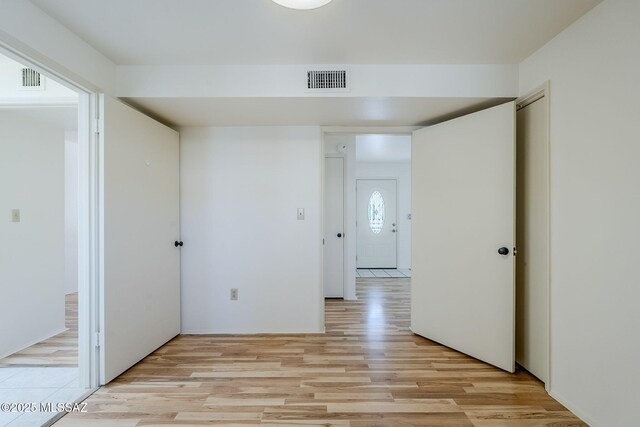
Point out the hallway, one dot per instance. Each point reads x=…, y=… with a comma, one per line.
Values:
x=367, y=370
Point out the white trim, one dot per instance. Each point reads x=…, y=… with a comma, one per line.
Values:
x=99, y=231
x=20, y=52
x=576, y=411
x=36, y=341
x=542, y=93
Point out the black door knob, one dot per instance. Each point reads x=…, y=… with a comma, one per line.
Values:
x=339, y=234
x=177, y=243
x=503, y=251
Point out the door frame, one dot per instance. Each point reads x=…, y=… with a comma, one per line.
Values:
x=388, y=178
x=542, y=93
x=350, y=249
x=89, y=209
x=345, y=235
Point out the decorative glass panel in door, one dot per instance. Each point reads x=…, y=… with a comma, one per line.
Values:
x=376, y=223
x=376, y=212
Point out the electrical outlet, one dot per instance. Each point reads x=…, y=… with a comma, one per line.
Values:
x=15, y=215
x=234, y=294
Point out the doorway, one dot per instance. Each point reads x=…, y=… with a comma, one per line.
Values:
x=383, y=208
x=367, y=164
x=45, y=351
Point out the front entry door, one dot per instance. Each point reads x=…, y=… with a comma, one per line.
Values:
x=376, y=223
x=463, y=234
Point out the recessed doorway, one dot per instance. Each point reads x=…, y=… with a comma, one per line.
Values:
x=367, y=209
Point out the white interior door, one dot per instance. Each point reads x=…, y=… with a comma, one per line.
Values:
x=334, y=227
x=140, y=288
x=376, y=223
x=462, y=288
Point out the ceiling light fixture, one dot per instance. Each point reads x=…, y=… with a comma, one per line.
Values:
x=302, y=4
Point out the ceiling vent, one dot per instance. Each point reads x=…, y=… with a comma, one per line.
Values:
x=332, y=80
x=32, y=80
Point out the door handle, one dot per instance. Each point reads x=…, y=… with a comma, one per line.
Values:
x=339, y=235
x=177, y=243
x=503, y=251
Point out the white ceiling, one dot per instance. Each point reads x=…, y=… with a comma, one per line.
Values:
x=196, y=32
x=383, y=148
x=336, y=111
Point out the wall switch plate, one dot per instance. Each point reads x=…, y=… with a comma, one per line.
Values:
x=300, y=214
x=15, y=215
x=234, y=294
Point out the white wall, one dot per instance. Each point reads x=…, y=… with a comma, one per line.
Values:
x=593, y=67
x=331, y=142
x=240, y=190
x=32, y=251
x=71, y=177
x=25, y=27
x=401, y=172
x=412, y=80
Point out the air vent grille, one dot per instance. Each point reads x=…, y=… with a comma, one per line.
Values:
x=336, y=79
x=31, y=78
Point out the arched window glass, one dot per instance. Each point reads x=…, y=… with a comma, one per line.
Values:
x=376, y=212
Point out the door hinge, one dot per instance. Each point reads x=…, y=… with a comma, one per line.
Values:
x=97, y=337
x=96, y=126
x=515, y=251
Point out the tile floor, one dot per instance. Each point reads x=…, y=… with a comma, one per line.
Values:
x=383, y=272
x=36, y=385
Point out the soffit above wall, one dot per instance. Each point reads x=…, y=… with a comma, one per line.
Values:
x=314, y=111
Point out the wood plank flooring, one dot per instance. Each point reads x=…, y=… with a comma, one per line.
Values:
x=60, y=350
x=367, y=370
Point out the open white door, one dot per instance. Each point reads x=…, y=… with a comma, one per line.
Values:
x=462, y=288
x=140, y=288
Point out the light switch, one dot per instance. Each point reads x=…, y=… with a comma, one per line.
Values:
x=300, y=214
x=15, y=215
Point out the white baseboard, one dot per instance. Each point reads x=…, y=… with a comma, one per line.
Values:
x=573, y=408
x=36, y=341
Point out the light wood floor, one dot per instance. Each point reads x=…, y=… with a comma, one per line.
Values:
x=367, y=370
x=59, y=350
